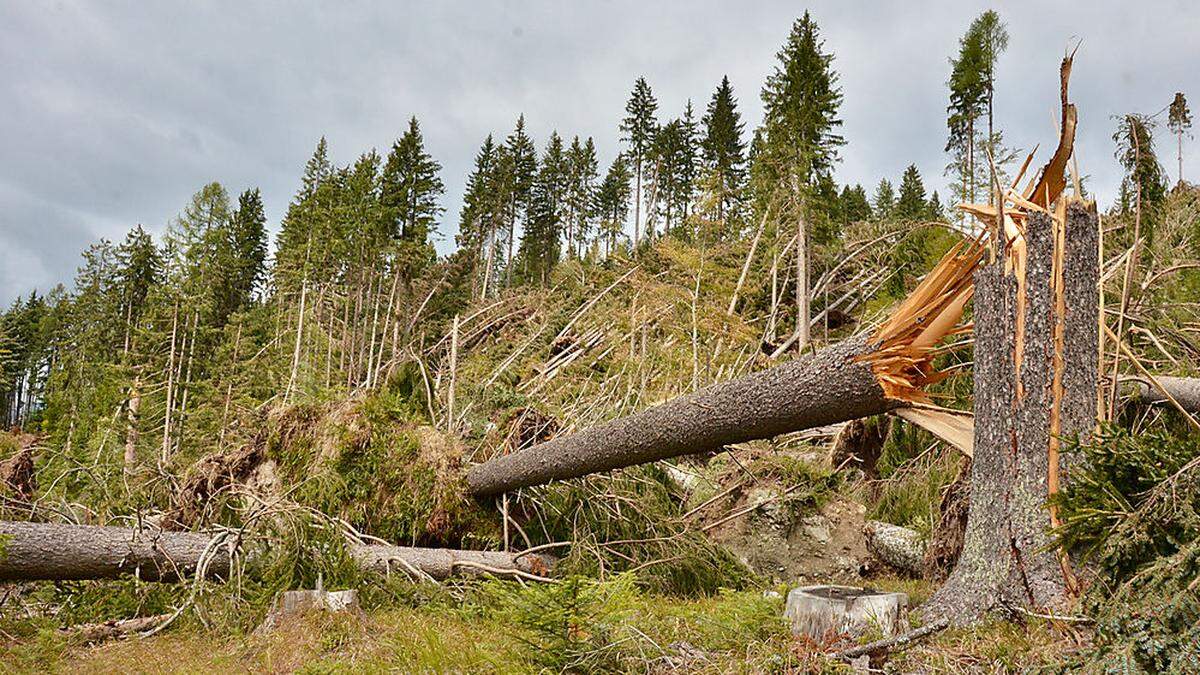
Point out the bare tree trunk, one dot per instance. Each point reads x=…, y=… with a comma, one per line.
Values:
x=746, y=265
x=1185, y=390
x=299, y=335
x=823, y=388
x=131, y=422
x=61, y=552
x=1036, y=375
x=166, y=439
x=802, y=311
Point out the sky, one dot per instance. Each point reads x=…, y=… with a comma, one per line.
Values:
x=114, y=113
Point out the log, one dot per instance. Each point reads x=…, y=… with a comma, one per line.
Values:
x=897, y=546
x=1185, y=391
x=863, y=376
x=443, y=563
x=829, y=386
x=89, y=633
x=61, y=552
x=51, y=551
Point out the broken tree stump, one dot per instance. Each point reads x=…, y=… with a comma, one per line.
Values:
x=821, y=612
x=1036, y=377
x=290, y=604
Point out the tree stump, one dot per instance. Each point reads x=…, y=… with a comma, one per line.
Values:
x=292, y=603
x=823, y=611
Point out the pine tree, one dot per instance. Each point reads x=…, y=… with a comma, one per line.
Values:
x=968, y=98
x=1179, y=120
x=993, y=38
x=410, y=194
x=582, y=170
x=723, y=149
x=139, y=266
x=638, y=129
x=474, y=224
x=911, y=204
x=854, y=206
x=612, y=202
x=884, y=201
x=801, y=100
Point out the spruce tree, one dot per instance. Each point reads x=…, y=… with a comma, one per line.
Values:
x=638, y=131
x=723, y=149
x=612, y=202
x=540, y=240
x=801, y=99
x=884, y=202
x=911, y=204
x=1179, y=120
x=410, y=194
x=1145, y=184
x=248, y=245
x=522, y=165
x=935, y=210
x=968, y=99
x=854, y=206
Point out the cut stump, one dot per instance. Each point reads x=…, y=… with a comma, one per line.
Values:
x=823, y=611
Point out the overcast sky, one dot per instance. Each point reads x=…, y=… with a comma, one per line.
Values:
x=115, y=113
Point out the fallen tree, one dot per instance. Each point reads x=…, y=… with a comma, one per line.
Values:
x=863, y=376
x=62, y=552
x=1162, y=388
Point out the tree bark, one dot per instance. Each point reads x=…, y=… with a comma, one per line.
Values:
x=822, y=388
x=1036, y=341
x=30, y=551
x=61, y=552
x=1185, y=390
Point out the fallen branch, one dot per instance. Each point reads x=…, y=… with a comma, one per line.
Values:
x=89, y=633
x=902, y=641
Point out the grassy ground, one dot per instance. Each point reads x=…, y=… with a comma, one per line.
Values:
x=494, y=628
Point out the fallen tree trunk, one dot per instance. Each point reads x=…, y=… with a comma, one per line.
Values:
x=61, y=552
x=1185, y=390
x=826, y=387
x=51, y=551
x=863, y=376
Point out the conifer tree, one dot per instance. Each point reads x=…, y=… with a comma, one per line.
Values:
x=968, y=99
x=935, y=210
x=612, y=202
x=723, y=149
x=1179, y=120
x=248, y=244
x=911, y=204
x=638, y=129
x=540, y=240
x=884, y=202
x=474, y=224
x=854, y=205
x=139, y=266
x=1144, y=185
x=801, y=99
x=522, y=161
x=410, y=194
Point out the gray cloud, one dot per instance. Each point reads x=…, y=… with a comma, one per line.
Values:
x=115, y=113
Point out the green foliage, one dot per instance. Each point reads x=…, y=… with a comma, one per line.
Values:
x=573, y=625
x=1133, y=507
x=723, y=150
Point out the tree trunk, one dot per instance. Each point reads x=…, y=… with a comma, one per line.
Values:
x=131, y=424
x=1185, y=390
x=1036, y=374
x=802, y=311
x=60, y=552
x=33, y=551
x=822, y=388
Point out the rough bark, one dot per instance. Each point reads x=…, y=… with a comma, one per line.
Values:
x=51, y=551
x=1025, y=387
x=826, y=387
x=900, y=547
x=30, y=551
